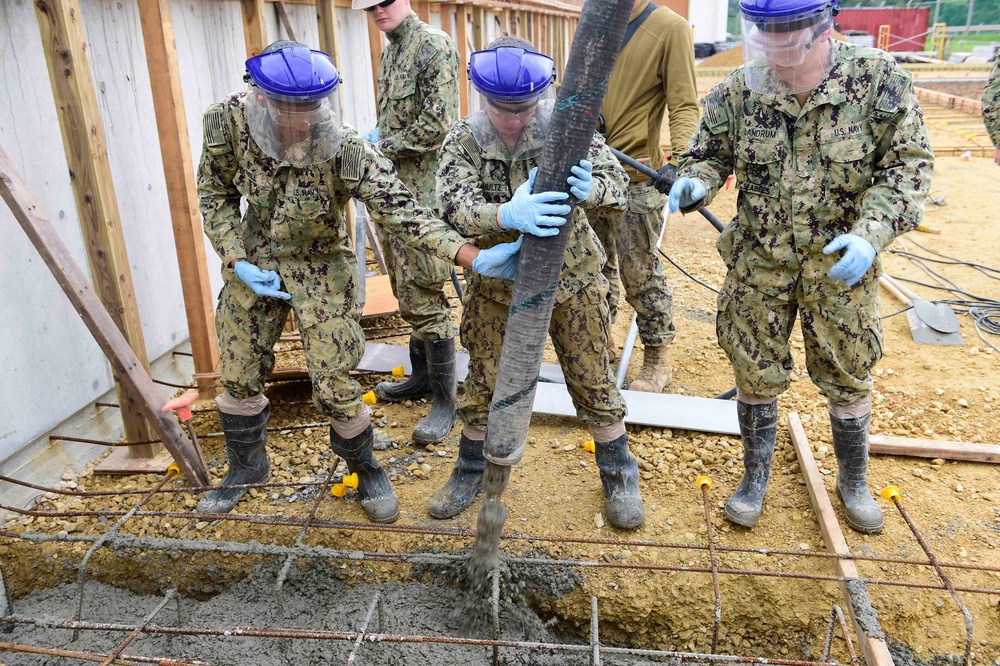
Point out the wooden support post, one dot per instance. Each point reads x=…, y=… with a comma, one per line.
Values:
x=423, y=8
x=60, y=23
x=462, y=39
x=128, y=367
x=326, y=19
x=178, y=171
x=478, y=34
x=286, y=22
x=375, y=47
x=254, y=28
x=875, y=649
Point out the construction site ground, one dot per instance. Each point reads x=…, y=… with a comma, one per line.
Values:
x=921, y=391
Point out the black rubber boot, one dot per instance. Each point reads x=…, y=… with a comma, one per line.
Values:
x=441, y=376
x=759, y=429
x=246, y=440
x=850, y=444
x=465, y=482
x=378, y=499
x=620, y=478
x=416, y=386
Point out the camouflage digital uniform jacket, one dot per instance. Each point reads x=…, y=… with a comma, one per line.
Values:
x=473, y=182
x=855, y=160
x=417, y=102
x=991, y=104
x=295, y=221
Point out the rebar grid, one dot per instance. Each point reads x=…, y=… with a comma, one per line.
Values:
x=114, y=539
x=127, y=660
x=293, y=521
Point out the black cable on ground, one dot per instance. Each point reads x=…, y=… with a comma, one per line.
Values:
x=674, y=264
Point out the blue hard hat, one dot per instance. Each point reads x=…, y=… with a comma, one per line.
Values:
x=294, y=72
x=767, y=11
x=510, y=74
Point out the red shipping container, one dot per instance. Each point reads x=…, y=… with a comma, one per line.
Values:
x=908, y=27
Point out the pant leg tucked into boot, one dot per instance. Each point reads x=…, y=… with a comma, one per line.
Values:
x=246, y=440
x=620, y=478
x=465, y=482
x=378, y=499
x=416, y=386
x=759, y=429
x=441, y=376
x=850, y=444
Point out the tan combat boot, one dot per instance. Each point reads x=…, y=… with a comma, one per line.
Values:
x=656, y=372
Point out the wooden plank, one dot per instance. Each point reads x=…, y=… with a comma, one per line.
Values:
x=931, y=448
x=60, y=23
x=286, y=22
x=423, y=8
x=129, y=369
x=375, y=48
x=178, y=171
x=875, y=650
x=118, y=462
x=462, y=40
x=379, y=300
x=478, y=34
x=326, y=18
x=254, y=27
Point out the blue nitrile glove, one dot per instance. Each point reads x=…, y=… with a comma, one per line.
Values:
x=371, y=136
x=686, y=192
x=582, y=181
x=535, y=214
x=263, y=283
x=499, y=261
x=855, y=262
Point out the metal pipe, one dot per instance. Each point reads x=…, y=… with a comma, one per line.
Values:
x=646, y=170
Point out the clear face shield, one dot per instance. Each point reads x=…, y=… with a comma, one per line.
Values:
x=520, y=126
x=787, y=57
x=288, y=129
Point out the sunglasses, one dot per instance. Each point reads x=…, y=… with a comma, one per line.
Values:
x=383, y=5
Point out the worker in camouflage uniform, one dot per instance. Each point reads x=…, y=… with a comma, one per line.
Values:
x=991, y=108
x=485, y=180
x=417, y=103
x=653, y=73
x=832, y=162
x=281, y=146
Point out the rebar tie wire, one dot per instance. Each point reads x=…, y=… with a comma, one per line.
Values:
x=892, y=494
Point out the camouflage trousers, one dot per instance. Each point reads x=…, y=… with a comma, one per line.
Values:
x=418, y=279
x=579, y=331
x=631, y=238
x=842, y=333
x=332, y=348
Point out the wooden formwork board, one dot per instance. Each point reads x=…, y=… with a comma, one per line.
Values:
x=875, y=650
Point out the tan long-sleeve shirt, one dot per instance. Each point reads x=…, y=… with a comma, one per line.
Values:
x=653, y=73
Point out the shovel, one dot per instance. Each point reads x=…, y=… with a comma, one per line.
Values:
x=930, y=323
